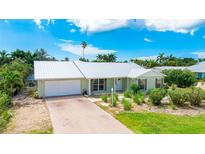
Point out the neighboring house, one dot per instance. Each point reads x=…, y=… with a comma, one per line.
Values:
x=57, y=78
x=30, y=80
x=199, y=69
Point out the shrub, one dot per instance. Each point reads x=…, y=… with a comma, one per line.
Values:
x=138, y=98
x=195, y=96
x=114, y=103
x=2, y=124
x=134, y=88
x=127, y=94
x=104, y=98
x=116, y=96
x=182, y=78
x=5, y=100
x=13, y=76
x=178, y=96
x=36, y=95
x=156, y=95
x=173, y=106
x=6, y=115
x=126, y=104
x=173, y=86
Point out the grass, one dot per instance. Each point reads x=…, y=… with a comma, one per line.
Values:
x=3, y=124
x=48, y=131
x=5, y=120
x=159, y=123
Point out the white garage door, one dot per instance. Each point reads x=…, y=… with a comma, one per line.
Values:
x=61, y=88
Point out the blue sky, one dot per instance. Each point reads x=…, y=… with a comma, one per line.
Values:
x=142, y=39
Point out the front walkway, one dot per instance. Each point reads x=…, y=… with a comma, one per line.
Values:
x=76, y=114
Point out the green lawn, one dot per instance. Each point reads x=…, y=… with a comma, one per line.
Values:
x=158, y=123
x=48, y=131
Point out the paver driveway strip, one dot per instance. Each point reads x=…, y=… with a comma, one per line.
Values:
x=76, y=114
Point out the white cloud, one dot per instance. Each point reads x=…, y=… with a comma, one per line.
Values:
x=148, y=40
x=76, y=48
x=147, y=58
x=50, y=21
x=72, y=30
x=88, y=25
x=179, y=26
x=199, y=54
x=38, y=23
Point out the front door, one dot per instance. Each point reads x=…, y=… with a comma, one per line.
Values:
x=118, y=84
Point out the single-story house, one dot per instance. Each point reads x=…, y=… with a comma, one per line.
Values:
x=199, y=69
x=58, y=78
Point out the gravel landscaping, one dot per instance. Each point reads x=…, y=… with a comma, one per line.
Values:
x=164, y=118
x=165, y=108
x=29, y=116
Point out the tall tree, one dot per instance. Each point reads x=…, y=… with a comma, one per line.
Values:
x=106, y=57
x=40, y=54
x=66, y=59
x=163, y=60
x=18, y=54
x=112, y=57
x=84, y=59
x=84, y=45
x=160, y=58
x=4, y=57
x=25, y=56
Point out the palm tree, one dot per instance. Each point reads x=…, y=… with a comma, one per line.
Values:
x=106, y=57
x=160, y=58
x=84, y=45
x=4, y=57
x=111, y=57
x=66, y=59
x=99, y=58
x=41, y=54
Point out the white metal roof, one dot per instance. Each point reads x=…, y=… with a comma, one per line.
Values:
x=106, y=70
x=55, y=70
x=90, y=70
x=200, y=67
x=134, y=73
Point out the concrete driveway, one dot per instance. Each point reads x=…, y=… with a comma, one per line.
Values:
x=76, y=114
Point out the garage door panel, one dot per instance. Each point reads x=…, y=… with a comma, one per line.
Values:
x=60, y=88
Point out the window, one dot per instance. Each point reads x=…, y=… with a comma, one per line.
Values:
x=142, y=83
x=200, y=75
x=98, y=84
x=158, y=83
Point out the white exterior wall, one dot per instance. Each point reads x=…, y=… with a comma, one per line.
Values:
x=84, y=83
x=150, y=81
x=41, y=88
